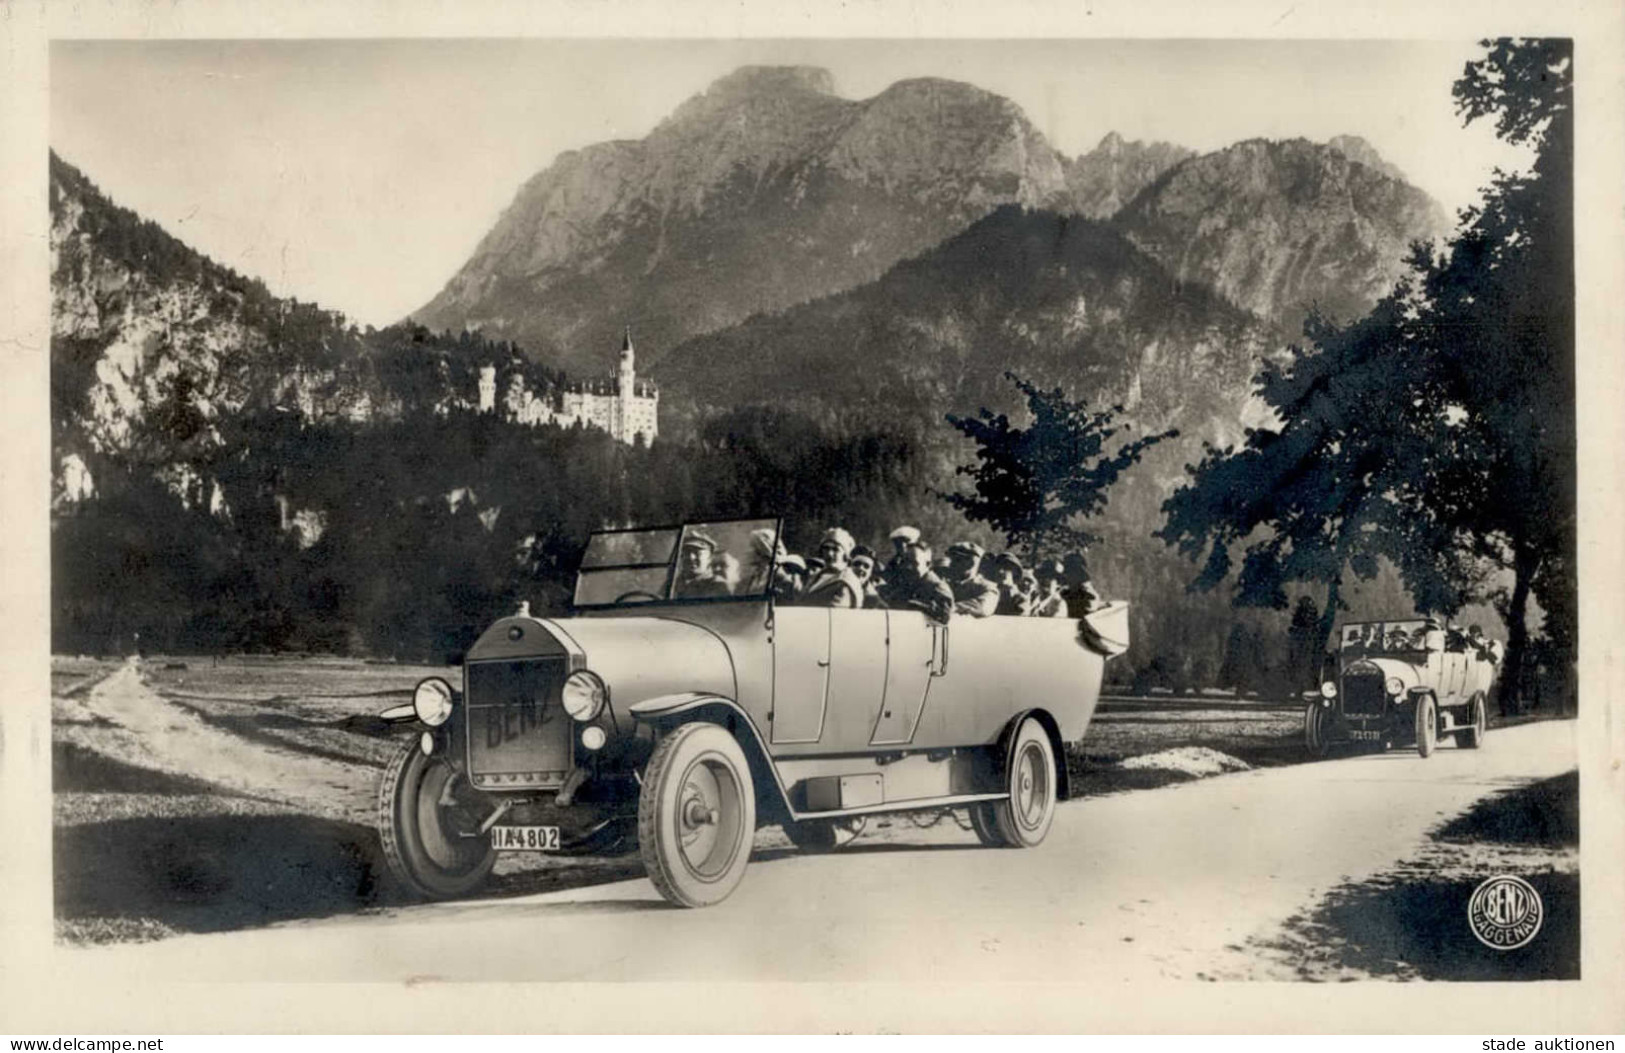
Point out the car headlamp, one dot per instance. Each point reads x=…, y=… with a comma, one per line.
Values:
x=431, y=701
x=1328, y=690
x=1395, y=686
x=594, y=737
x=583, y=695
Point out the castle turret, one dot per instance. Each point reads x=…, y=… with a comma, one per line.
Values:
x=629, y=373
x=488, y=388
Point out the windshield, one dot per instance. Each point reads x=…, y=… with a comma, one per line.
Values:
x=727, y=559
x=1410, y=634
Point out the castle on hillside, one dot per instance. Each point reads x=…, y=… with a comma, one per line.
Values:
x=620, y=404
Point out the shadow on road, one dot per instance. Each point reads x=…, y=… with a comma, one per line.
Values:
x=1411, y=922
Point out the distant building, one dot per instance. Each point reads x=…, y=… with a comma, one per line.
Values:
x=620, y=404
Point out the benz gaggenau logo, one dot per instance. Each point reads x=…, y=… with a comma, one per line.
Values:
x=1505, y=912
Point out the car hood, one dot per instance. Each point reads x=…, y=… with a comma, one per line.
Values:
x=637, y=657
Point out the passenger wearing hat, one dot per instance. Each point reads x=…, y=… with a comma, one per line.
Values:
x=973, y=594
x=696, y=575
x=911, y=586
x=863, y=568
x=1049, y=603
x=766, y=552
x=1012, y=601
x=789, y=577
x=834, y=585
x=1081, y=597
x=901, y=540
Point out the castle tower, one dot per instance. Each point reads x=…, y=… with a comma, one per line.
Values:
x=488, y=388
x=628, y=377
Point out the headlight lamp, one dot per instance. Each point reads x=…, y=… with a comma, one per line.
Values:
x=431, y=701
x=1395, y=686
x=583, y=695
x=1328, y=690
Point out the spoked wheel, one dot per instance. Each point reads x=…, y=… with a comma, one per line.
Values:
x=1427, y=726
x=1315, y=720
x=1023, y=819
x=824, y=835
x=425, y=809
x=696, y=815
x=1471, y=738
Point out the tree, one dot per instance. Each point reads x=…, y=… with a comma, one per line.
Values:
x=1438, y=431
x=1499, y=322
x=1334, y=487
x=1032, y=484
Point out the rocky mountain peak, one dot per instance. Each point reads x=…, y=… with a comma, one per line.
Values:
x=1102, y=181
x=1357, y=149
x=763, y=191
x=748, y=81
x=1280, y=226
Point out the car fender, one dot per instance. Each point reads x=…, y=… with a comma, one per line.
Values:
x=687, y=706
x=1007, y=744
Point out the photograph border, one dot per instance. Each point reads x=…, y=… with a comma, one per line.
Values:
x=46, y=988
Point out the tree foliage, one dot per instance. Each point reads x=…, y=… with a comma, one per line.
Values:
x=1438, y=431
x=1034, y=484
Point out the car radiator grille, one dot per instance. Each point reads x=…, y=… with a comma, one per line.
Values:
x=518, y=733
x=1362, y=694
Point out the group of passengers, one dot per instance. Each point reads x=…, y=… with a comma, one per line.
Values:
x=843, y=573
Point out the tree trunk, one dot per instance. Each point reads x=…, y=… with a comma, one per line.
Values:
x=1513, y=676
x=1328, y=622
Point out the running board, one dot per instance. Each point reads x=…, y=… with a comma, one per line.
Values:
x=903, y=806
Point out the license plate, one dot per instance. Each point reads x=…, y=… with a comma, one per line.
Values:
x=525, y=838
x=1365, y=736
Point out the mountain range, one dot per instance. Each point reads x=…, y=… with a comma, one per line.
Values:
x=769, y=190
x=867, y=263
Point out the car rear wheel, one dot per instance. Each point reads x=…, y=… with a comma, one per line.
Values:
x=1472, y=737
x=982, y=821
x=696, y=815
x=1427, y=726
x=1315, y=722
x=824, y=835
x=1023, y=819
x=426, y=811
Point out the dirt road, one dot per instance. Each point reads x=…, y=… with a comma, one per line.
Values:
x=1169, y=883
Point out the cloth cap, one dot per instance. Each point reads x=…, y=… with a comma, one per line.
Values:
x=1005, y=559
x=793, y=560
x=839, y=537
x=763, y=541
x=1050, y=568
x=966, y=548
x=696, y=539
x=907, y=533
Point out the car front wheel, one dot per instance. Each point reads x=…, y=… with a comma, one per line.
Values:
x=428, y=822
x=1316, y=718
x=1472, y=737
x=696, y=815
x=1427, y=727
x=1023, y=819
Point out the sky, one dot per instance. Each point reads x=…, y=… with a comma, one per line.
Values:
x=362, y=174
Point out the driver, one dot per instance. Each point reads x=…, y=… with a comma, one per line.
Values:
x=696, y=574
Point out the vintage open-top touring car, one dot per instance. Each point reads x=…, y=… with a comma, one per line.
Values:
x=1410, y=682
x=692, y=707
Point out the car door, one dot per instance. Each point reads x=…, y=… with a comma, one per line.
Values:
x=801, y=661
x=916, y=647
